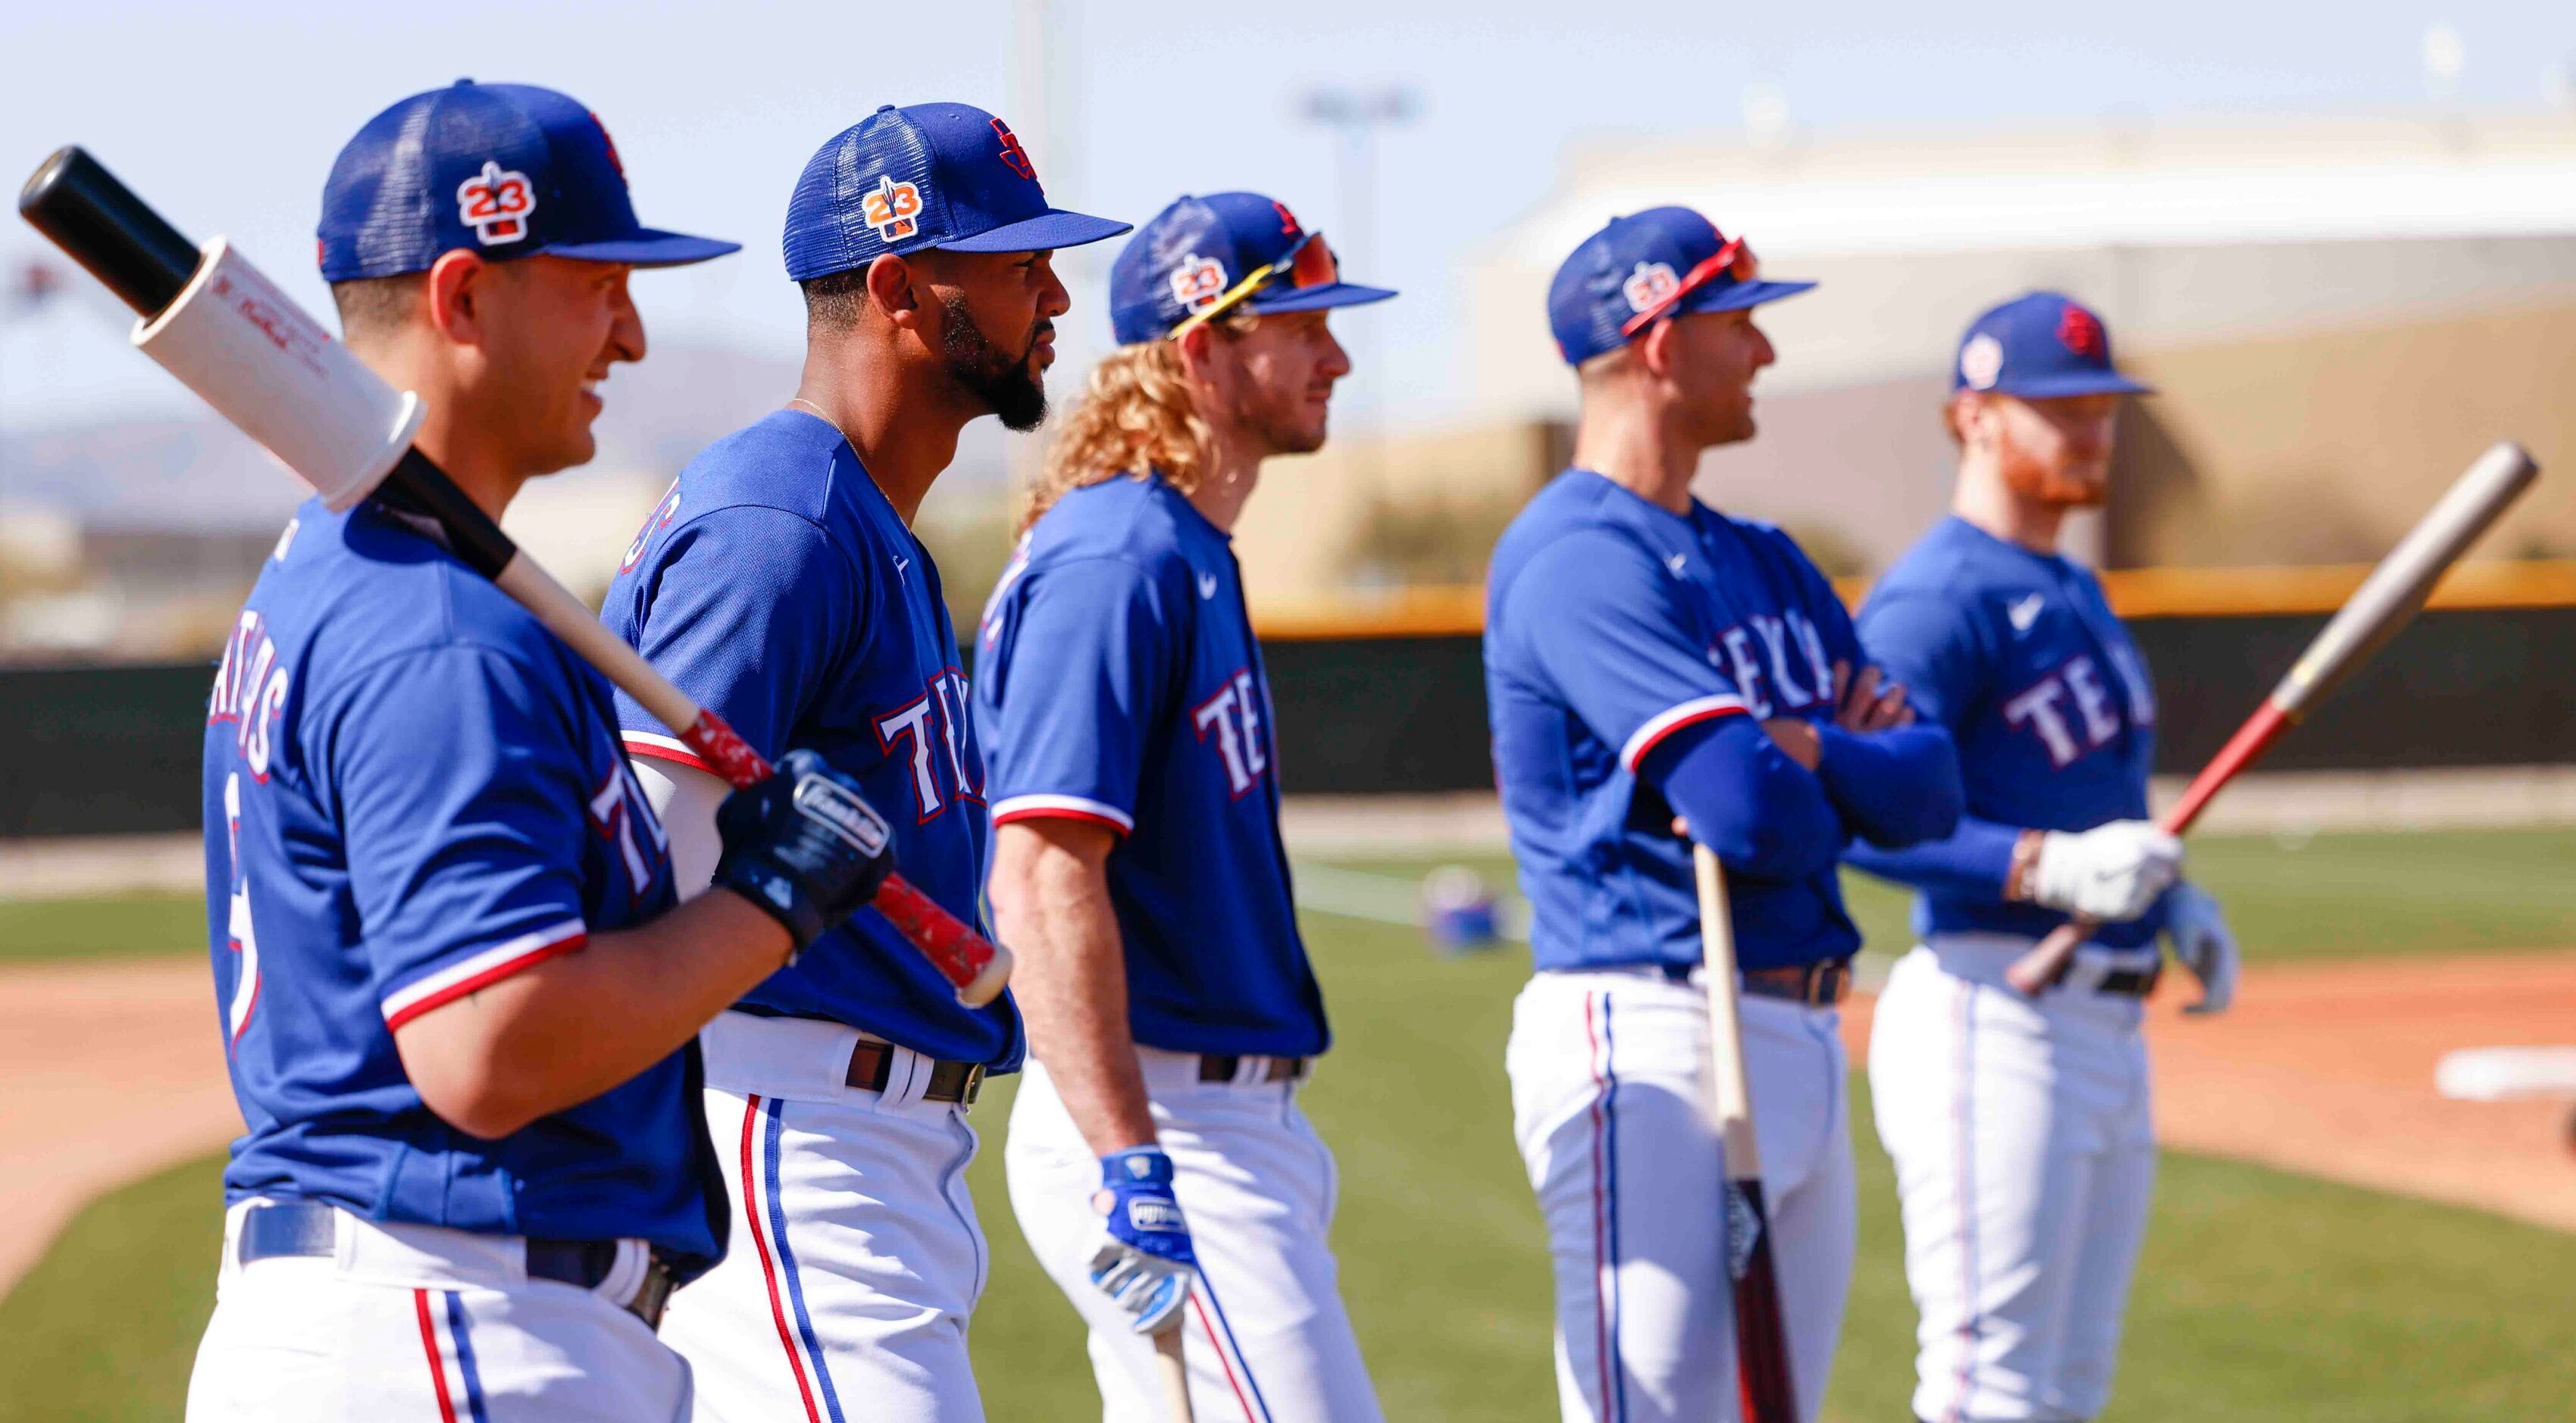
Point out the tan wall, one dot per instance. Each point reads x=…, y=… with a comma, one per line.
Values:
x=1308, y=531
x=2327, y=446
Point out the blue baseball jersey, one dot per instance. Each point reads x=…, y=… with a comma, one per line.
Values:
x=776, y=586
x=2019, y=654
x=1117, y=681
x=1610, y=624
x=412, y=792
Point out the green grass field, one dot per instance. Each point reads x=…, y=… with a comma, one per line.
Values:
x=2262, y=1295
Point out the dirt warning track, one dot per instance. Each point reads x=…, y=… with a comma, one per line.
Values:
x=107, y=1073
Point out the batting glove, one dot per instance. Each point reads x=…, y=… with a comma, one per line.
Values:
x=2111, y=873
x=804, y=846
x=2202, y=942
x=1145, y=1262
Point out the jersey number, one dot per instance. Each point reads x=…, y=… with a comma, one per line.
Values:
x=244, y=940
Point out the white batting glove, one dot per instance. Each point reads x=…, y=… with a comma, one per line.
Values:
x=2111, y=873
x=2202, y=943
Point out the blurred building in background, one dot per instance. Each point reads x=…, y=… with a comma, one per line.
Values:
x=2340, y=315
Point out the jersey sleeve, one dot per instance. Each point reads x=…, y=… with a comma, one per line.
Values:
x=746, y=608
x=1608, y=628
x=464, y=815
x=1081, y=671
x=1929, y=644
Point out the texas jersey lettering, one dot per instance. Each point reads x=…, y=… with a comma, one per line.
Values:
x=2021, y=657
x=1120, y=683
x=778, y=587
x=412, y=792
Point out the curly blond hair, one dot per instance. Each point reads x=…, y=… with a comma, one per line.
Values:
x=1136, y=418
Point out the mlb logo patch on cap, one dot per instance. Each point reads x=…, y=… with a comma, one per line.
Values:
x=1203, y=257
x=949, y=176
x=1640, y=269
x=2039, y=346
x=504, y=170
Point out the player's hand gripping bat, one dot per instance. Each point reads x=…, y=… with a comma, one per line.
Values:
x=229, y=334
x=2393, y=593
x=1761, y=1343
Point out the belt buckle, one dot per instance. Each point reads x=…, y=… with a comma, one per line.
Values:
x=974, y=1085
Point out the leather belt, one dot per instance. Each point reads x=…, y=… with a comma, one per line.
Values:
x=306, y=1228
x=1818, y=985
x=2131, y=982
x=1227, y=1067
x=872, y=1066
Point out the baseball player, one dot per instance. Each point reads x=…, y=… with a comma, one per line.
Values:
x=458, y=1006
x=780, y=585
x=1158, y=1162
x=1647, y=657
x=2024, y=1152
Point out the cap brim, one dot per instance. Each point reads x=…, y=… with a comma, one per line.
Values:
x=2077, y=383
x=1320, y=298
x=1739, y=295
x=1045, y=232
x=646, y=247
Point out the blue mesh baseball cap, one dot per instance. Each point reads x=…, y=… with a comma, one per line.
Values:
x=2040, y=345
x=1644, y=267
x=1203, y=257
x=949, y=176
x=506, y=170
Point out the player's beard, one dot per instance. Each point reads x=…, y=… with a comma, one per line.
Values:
x=2046, y=482
x=1010, y=386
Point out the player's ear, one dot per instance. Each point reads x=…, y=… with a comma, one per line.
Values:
x=459, y=284
x=891, y=291
x=1658, y=349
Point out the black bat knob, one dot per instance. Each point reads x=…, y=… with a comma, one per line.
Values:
x=102, y=225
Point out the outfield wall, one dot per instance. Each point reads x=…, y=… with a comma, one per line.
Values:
x=115, y=750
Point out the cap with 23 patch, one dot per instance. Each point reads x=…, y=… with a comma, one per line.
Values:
x=505, y=170
x=949, y=176
x=1204, y=256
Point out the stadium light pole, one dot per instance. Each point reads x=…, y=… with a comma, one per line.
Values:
x=1356, y=115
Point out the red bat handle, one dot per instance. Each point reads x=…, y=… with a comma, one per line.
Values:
x=974, y=965
x=2043, y=966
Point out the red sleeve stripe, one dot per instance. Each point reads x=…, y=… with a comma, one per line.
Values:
x=1062, y=807
x=663, y=748
x=1672, y=719
x=482, y=970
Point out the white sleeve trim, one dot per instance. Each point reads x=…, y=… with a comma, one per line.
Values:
x=1673, y=719
x=1027, y=806
x=477, y=970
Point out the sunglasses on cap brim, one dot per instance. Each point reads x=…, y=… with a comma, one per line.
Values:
x=1734, y=260
x=1307, y=264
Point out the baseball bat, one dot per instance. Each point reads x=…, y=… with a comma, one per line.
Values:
x=2377, y=610
x=1172, y=1367
x=1761, y=1343
x=230, y=334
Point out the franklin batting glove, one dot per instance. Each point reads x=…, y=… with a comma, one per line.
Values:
x=804, y=846
x=1145, y=1263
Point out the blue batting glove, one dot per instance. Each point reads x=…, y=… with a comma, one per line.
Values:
x=1145, y=1263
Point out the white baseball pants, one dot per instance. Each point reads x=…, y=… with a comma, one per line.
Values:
x=1610, y=1105
x=855, y=1259
x=1265, y=1333
x=2025, y=1158
x=420, y=1322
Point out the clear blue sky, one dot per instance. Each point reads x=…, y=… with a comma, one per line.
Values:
x=228, y=115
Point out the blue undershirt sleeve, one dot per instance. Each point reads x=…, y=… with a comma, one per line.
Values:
x=1762, y=813
x=1971, y=861
x=1896, y=787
